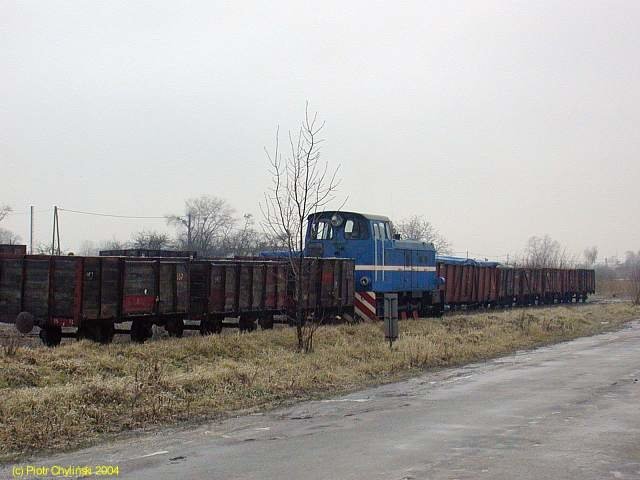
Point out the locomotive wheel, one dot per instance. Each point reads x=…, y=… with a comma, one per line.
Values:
x=210, y=326
x=51, y=335
x=266, y=323
x=175, y=327
x=140, y=331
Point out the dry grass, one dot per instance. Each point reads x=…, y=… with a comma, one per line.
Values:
x=62, y=398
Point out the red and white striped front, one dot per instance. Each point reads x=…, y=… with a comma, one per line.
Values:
x=365, y=305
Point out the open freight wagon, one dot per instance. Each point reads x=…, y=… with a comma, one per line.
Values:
x=91, y=297
x=468, y=282
x=472, y=283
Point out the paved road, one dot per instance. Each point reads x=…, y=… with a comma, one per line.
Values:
x=571, y=411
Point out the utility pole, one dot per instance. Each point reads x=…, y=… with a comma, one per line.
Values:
x=56, y=232
x=58, y=225
x=31, y=231
x=53, y=234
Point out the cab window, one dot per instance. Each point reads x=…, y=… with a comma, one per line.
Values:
x=387, y=227
x=380, y=231
x=322, y=230
x=355, y=229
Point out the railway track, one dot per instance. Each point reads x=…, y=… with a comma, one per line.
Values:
x=8, y=332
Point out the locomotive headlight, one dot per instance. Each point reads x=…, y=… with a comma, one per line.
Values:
x=364, y=281
x=336, y=221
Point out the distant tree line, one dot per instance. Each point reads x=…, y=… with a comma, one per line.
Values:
x=545, y=252
x=418, y=228
x=7, y=236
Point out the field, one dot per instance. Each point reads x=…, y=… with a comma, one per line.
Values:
x=615, y=288
x=81, y=392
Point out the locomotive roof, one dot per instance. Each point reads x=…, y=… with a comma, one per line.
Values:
x=368, y=216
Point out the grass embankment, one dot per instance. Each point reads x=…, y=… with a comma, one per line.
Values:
x=69, y=396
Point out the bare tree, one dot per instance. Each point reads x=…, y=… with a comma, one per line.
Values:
x=590, y=256
x=88, y=248
x=150, y=240
x=248, y=241
x=44, y=248
x=631, y=269
x=301, y=185
x=631, y=259
x=206, y=225
x=418, y=228
x=634, y=276
x=4, y=211
x=544, y=252
x=113, y=244
x=8, y=237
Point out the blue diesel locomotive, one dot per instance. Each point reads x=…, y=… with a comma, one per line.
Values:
x=384, y=264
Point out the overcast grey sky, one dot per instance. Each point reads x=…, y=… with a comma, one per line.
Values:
x=495, y=120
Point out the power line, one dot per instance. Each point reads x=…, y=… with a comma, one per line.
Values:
x=95, y=214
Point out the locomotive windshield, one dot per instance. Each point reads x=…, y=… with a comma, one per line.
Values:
x=352, y=227
x=322, y=229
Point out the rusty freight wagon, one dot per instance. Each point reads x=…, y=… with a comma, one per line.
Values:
x=88, y=297
x=248, y=290
x=91, y=294
x=255, y=290
x=468, y=282
x=535, y=286
x=471, y=283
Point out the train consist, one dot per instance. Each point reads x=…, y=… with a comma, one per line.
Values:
x=426, y=284
x=352, y=262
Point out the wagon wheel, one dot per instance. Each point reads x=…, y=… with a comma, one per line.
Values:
x=266, y=323
x=175, y=327
x=210, y=326
x=247, y=324
x=140, y=331
x=105, y=333
x=24, y=322
x=85, y=331
x=51, y=335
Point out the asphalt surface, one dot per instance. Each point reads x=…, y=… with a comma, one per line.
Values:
x=569, y=411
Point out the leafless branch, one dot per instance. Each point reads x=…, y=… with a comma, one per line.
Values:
x=300, y=185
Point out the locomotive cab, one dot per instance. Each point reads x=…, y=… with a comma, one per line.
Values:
x=383, y=262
